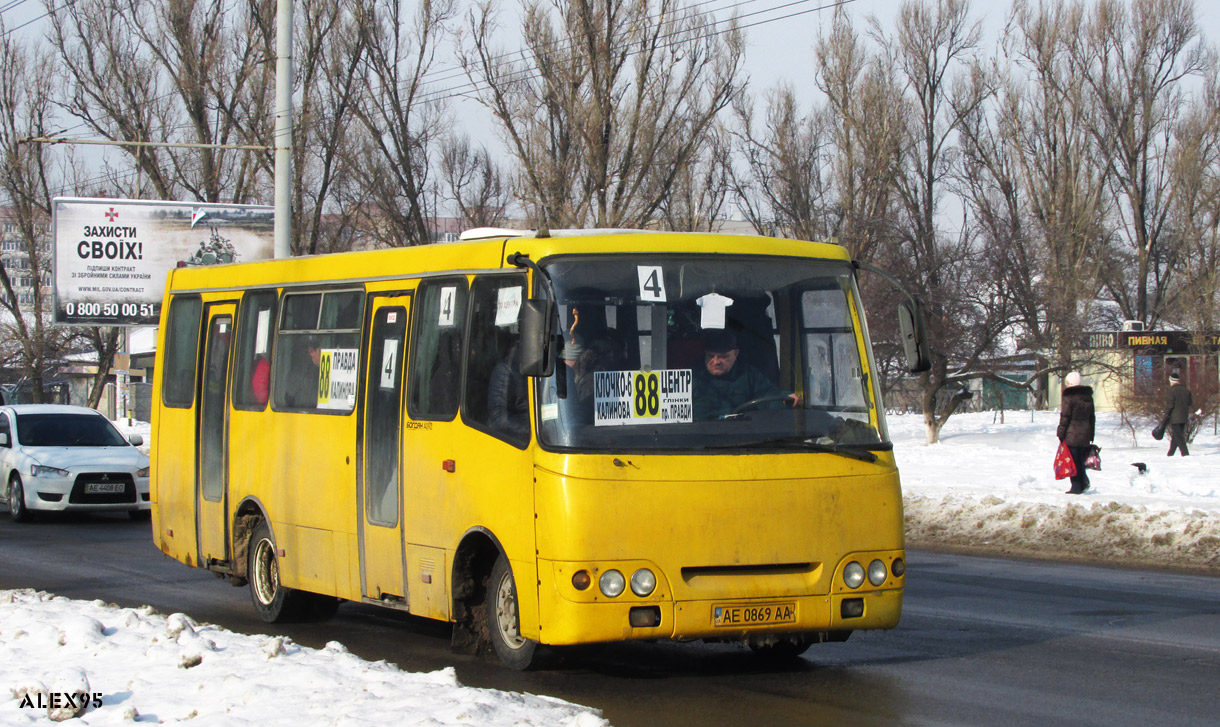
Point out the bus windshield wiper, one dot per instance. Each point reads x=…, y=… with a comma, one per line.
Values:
x=846, y=450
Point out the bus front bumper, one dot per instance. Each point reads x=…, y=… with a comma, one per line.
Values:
x=625, y=618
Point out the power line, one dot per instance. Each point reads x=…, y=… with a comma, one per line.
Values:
x=556, y=45
x=31, y=21
x=464, y=89
x=473, y=86
x=10, y=5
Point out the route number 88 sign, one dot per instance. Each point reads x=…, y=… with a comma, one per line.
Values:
x=622, y=398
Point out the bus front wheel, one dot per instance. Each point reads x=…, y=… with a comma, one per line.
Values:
x=273, y=601
x=504, y=621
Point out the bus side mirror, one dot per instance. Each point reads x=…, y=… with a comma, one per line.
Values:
x=914, y=336
x=537, y=347
x=3, y=439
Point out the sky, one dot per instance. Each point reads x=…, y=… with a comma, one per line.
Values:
x=987, y=483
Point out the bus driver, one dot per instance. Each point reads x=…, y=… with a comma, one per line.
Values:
x=723, y=384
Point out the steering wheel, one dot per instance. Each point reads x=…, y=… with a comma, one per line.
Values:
x=753, y=403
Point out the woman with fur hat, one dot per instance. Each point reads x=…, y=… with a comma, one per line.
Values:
x=1076, y=423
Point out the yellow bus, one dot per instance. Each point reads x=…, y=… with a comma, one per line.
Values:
x=544, y=439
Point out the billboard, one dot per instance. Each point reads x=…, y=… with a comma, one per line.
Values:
x=112, y=255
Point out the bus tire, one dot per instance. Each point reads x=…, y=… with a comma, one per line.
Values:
x=16, y=500
x=503, y=619
x=273, y=601
x=322, y=608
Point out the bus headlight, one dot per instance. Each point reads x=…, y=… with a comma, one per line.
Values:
x=643, y=582
x=877, y=572
x=612, y=583
x=853, y=574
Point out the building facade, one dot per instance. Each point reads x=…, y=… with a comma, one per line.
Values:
x=1130, y=369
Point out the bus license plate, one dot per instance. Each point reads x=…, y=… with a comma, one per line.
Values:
x=104, y=488
x=761, y=614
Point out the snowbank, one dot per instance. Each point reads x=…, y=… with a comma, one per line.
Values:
x=989, y=485
x=137, y=665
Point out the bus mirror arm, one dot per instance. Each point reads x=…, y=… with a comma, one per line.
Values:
x=910, y=323
x=537, y=323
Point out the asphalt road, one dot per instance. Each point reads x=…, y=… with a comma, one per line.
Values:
x=983, y=641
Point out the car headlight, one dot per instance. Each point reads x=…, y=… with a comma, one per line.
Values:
x=612, y=583
x=42, y=471
x=142, y=472
x=853, y=574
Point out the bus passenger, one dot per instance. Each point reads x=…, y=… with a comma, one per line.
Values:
x=507, y=400
x=723, y=384
x=260, y=380
x=302, y=390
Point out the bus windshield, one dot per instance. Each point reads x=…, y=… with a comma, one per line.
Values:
x=680, y=353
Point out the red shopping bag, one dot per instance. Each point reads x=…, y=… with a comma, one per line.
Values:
x=1064, y=466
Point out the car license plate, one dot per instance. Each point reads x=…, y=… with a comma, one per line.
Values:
x=758, y=614
x=104, y=488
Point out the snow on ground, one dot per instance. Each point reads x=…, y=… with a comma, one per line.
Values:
x=987, y=484
x=990, y=484
x=135, y=665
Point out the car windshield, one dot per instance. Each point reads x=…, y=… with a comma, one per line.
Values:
x=67, y=430
x=699, y=352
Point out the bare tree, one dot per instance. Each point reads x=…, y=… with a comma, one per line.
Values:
x=176, y=71
x=701, y=189
x=933, y=47
x=611, y=102
x=26, y=178
x=1195, y=217
x=475, y=183
x=1135, y=57
x=1034, y=180
x=402, y=123
x=786, y=187
x=865, y=121
x=329, y=55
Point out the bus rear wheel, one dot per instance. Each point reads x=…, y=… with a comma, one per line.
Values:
x=273, y=601
x=504, y=620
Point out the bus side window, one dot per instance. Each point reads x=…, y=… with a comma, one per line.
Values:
x=495, y=397
x=181, y=351
x=252, y=359
x=312, y=324
x=436, y=364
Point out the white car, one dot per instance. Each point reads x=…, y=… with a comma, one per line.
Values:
x=69, y=458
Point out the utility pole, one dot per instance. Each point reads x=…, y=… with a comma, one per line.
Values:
x=283, y=129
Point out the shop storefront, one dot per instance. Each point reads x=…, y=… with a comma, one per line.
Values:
x=1135, y=365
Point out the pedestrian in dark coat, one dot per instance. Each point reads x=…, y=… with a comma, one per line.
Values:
x=1076, y=424
x=1177, y=413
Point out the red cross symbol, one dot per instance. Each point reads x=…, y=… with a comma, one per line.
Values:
x=111, y=214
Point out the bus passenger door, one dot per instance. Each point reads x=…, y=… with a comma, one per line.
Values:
x=211, y=474
x=382, y=550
